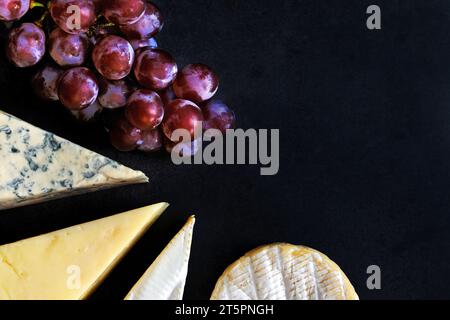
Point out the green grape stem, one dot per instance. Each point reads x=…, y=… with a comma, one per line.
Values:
x=36, y=4
x=40, y=21
x=92, y=30
x=105, y=25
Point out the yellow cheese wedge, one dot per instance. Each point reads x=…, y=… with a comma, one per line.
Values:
x=283, y=271
x=70, y=263
x=166, y=277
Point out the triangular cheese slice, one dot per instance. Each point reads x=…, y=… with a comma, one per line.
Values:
x=284, y=272
x=69, y=264
x=37, y=166
x=166, y=277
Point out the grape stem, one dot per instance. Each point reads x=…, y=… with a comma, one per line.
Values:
x=93, y=29
x=40, y=21
x=105, y=25
x=36, y=4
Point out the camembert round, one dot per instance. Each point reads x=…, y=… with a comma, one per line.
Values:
x=284, y=272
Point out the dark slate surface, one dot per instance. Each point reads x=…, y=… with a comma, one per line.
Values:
x=365, y=144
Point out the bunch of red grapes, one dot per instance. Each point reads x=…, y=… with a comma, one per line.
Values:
x=106, y=60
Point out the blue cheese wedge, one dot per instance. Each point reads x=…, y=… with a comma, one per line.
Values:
x=166, y=277
x=38, y=166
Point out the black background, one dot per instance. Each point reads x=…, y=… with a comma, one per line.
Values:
x=364, y=118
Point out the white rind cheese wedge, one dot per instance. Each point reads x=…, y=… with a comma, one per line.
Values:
x=38, y=166
x=166, y=277
x=69, y=264
x=284, y=272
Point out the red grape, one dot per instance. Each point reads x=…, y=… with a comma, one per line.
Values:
x=88, y=114
x=151, y=141
x=124, y=136
x=64, y=13
x=123, y=12
x=113, y=57
x=11, y=10
x=68, y=50
x=113, y=94
x=139, y=44
x=143, y=119
x=181, y=114
x=26, y=45
x=196, y=82
x=147, y=26
x=155, y=69
x=45, y=82
x=183, y=149
x=144, y=109
x=217, y=116
x=78, y=88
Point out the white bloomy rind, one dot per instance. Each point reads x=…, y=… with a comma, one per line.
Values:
x=38, y=166
x=284, y=272
x=166, y=277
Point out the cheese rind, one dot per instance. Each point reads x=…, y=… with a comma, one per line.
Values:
x=165, y=279
x=38, y=166
x=70, y=263
x=284, y=272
